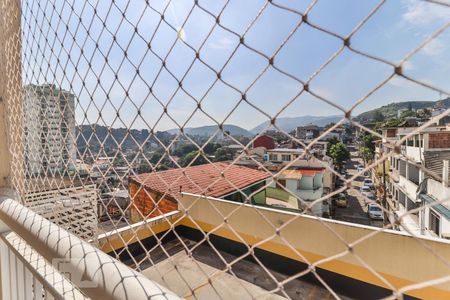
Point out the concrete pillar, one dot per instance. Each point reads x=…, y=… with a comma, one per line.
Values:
x=407, y=170
x=425, y=141
x=445, y=173
x=11, y=126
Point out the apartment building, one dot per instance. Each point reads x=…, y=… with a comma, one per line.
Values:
x=419, y=177
x=280, y=155
x=308, y=177
x=435, y=217
x=307, y=132
x=49, y=129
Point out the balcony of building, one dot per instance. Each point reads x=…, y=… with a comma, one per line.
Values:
x=80, y=225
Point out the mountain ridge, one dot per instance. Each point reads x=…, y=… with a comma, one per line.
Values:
x=209, y=130
x=96, y=134
x=290, y=123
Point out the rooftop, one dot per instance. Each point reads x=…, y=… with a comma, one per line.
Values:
x=200, y=179
x=299, y=173
x=251, y=281
x=286, y=150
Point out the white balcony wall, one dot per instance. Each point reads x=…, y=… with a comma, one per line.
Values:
x=438, y=191
x=410, y=188
x=416, y=153
x=444, y=224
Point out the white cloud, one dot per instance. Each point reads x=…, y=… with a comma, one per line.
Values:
x=421, y=13
x=433, y=48
x=408, y=66
x=400, y=82
x=222, y=43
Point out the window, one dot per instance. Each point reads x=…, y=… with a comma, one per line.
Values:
x=273, y=157
x=281, y=183
x=411, y=205
x=285, y=157
x=434, y=222
x=401, y=198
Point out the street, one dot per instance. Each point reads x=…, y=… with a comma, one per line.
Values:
x=356, y=211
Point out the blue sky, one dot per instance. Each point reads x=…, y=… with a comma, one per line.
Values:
x=397, y=28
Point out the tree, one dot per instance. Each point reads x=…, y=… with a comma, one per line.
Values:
x=119, y=162
x=156, y=157
x=378, y=116
x=407, y=113
x=331, y=141
x=367, y=141
x=329, y=125
x=280, y=137
x=367, y=148
x=210, y=148
x=144, y=168
x=339, y=153
x=393, y=122
x=184, y=149
x=423, y=113
x=192, y=157
x=223, y=154
x=366, y=154
x=161, y=161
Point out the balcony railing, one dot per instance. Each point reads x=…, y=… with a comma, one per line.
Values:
x=41, y=260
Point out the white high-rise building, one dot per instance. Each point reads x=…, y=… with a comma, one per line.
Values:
x=49, y=128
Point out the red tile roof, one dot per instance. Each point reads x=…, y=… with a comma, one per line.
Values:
x=199, y=179
x=299, y=173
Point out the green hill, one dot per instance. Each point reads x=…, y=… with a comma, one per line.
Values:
x=390, y=110
x=211, y=129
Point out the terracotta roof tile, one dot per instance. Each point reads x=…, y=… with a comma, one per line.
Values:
x=299, y=173
x=199, y=179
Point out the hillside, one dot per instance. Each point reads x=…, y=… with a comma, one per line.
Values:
x=289, y=124
x=210, y=130
x=112, y=137
x=390, y=110
x=132, y=141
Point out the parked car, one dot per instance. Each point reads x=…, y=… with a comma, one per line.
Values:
x=368, y=182
x=365, y=189
x=341, y=200
x=359, y=168
x=375, y=212
x=367, y=193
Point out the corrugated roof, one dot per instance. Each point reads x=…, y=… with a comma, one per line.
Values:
x=441, y=209
x=287, y=150
x=198, y=179
x=434, y=161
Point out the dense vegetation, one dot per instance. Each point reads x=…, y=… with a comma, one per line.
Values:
x=390, y=111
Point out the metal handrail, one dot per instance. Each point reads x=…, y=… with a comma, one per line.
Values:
x=45, y=284
x=108, y=278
